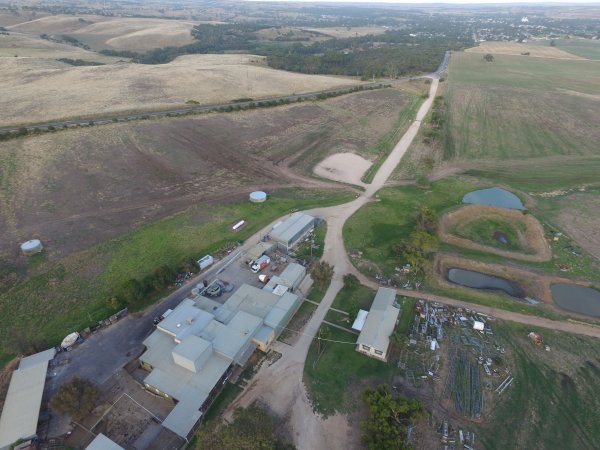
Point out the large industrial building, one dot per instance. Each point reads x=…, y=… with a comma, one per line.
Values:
x=374, y=338
x=19, y=418
x=292, y=229
x=192, y=351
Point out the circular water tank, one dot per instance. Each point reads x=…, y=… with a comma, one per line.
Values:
x=258, y=197
x=32, y=247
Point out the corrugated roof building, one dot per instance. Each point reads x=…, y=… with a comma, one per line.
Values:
x=101, y=442
x=192, y=350
x=374, y=338
x=292, y=229
x=24, y=397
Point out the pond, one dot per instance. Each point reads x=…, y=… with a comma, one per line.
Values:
x=478, y=280
x=576, y=298
x=494, y=197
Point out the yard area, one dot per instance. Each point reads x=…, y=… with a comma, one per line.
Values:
x=54, y=298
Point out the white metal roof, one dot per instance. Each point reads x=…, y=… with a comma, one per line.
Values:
x=24, y=397
x=101, y=442
x=291, y=226
x=292, y=274
x=380, y=321
x=184, y=416
x=359, y=322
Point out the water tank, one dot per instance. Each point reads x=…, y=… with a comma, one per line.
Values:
x=32, y=247
x=258, y=197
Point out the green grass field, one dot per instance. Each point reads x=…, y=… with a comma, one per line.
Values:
x=53, y=299
x=396, y=213
x=585, y=48
x=482, y=229
x=334, y=380
x=553, y=401
x=528, y=122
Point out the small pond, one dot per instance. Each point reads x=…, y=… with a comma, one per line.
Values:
x=579, y=299
x=478, y=280
x=494, y=197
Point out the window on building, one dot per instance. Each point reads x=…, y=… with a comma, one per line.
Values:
x=366, y=347
x=378, y=352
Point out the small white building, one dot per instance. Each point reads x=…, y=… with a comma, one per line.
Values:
x=374, y=338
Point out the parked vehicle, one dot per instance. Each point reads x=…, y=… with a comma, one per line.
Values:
x=260, y=264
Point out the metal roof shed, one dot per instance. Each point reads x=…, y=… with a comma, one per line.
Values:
x=292, y=275
x=374, y=339
x=22, y=405
x=292, y=229
x=101, y=442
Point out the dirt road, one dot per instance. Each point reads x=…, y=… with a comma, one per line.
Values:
x=287, y=397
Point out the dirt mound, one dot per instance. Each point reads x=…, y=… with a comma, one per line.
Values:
x=344, y=167
x=533, y=239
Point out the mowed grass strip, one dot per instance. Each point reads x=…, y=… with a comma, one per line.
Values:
x=56, y=298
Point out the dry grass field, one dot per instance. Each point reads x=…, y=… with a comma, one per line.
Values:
x=81, y=186
x=27, y=46
x=41, y=90
x=346, y=32
x=99, y=32
x=515, y=48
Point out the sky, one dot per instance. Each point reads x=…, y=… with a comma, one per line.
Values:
x=461, y=2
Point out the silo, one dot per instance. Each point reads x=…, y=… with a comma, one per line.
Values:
x=32, y=247
x=258, y=197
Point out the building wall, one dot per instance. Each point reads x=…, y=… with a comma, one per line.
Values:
x=372, y=352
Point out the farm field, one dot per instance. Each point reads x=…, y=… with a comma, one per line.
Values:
x=346, y=32
x=584, y=48
x=521, y=49
x=24, y=45
x=552, y=401
x=526, y=122
x=77, y=187
x=118, y=33
x=54, y=90
x=43, y=299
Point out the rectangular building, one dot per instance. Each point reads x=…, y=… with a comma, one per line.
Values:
x=292, y=229
x=374, y=338
x=24, y=397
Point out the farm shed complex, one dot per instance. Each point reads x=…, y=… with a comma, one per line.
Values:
x=192, y=351
x=291, y=230
x=374, y=338
x=291, y=277
x=21, y=409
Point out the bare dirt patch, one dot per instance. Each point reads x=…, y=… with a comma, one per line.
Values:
x=515, y=48
x=41, y=90
x=533, y=240
x=344, y=167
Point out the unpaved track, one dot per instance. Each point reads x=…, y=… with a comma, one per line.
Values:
x=280, y=385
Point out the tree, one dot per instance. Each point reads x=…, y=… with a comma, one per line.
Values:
x=252, y=429
x=389, y=417
x=350, y=281
x=76, y=398
x=132, y=291
x=488, y=57
x=427, y=219
x=321, y=273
